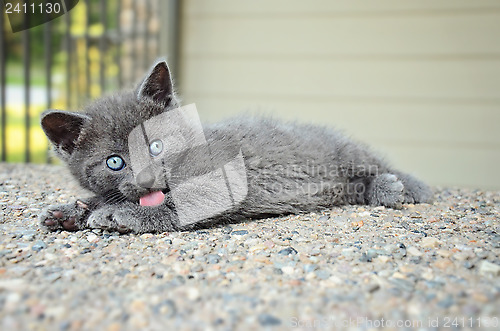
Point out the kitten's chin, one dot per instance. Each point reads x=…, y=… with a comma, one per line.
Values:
x=152, y=199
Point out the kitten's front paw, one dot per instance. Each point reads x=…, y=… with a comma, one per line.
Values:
x=113, y=218
x=387, y=190
x=69, y=216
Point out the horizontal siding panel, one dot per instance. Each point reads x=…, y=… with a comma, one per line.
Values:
x=417, y=80
x=277, y=7
x=448, y=166
x=414, y=79
x=420, y=35
x=470, y=125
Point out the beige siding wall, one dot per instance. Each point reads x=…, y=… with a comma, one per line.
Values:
x=417, y=80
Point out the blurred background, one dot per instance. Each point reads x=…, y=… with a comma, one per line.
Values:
x=419, y=81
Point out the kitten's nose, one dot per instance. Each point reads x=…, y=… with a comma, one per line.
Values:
x=145, y=178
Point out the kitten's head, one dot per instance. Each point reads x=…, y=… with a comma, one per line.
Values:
x=94, y=143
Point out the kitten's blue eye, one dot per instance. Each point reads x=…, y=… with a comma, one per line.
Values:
x=156, y=147
x=115, y=163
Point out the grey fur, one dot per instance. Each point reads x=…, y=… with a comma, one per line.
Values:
x=291, y=168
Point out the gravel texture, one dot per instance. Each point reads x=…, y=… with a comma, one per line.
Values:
x=426, y=266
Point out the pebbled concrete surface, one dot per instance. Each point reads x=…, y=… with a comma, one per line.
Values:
x=427, y=267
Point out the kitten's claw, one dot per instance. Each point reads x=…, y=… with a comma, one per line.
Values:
x=70, y=224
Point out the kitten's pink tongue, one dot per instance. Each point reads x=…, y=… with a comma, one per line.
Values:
x=152, y=199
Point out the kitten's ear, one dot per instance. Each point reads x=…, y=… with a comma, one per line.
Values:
x=157, y=85
x=63, y=128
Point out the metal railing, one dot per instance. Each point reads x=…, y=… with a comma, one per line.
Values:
x=97, y=47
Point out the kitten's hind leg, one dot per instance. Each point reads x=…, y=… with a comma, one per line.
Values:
x=392, y=190
x=385, y=190
x=415, y=191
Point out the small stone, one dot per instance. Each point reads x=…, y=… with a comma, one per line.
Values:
x=227, y=230
x=92, y=237
x=310, y=268
x=288, y=251
x=269, y=244
x=487, y=268
x=259, y=247
x=415, y=259
x=480, y=296
x=29, y=236
x=288, y=270
x=166, y=308
x=373, y=253
x=462, y=256
x=323, y=274
x=444, y=253
x=268, y=320
x=213, y=258
x=443, y=264
x=137, y=306
x=278, y=271
x=38, y=246
x=324, y=218
x=348, y=252
x=197, y=268
x=239, y=232
x=429, y=242
x=468, y=265
x=400, y=251
x=447, y=302
x=201, y=258
x=314, y=252
x=481, y=254
x=364, y=258
x=192, y=293
x=428, y=275
x=4, y=252
x=403, y=284
x=52, y=277
x=122, y=272
x=65, y=325
x=383, y=259
x=414, y=251
x=372, y=288
x=310, y=276
x=399, y=275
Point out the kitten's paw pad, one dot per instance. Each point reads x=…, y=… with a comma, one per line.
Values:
x=64, y=217
x=387, y=190
x=111, y=219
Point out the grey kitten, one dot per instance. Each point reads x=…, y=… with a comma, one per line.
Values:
x=290, y=168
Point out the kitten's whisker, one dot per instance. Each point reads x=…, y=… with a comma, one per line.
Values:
x=114, y=196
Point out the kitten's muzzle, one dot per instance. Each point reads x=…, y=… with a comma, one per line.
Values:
x=145, y=179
